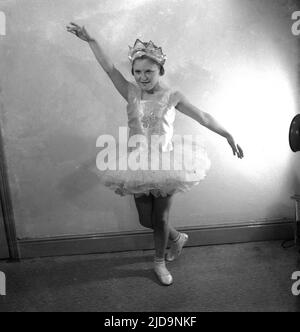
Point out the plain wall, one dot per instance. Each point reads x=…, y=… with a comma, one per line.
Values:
x=236, y=59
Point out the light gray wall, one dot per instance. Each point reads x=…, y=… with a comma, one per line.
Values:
x=236, y=59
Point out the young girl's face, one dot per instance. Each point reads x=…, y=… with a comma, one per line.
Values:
x=146, y=73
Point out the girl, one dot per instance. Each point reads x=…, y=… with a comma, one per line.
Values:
x=151, y=114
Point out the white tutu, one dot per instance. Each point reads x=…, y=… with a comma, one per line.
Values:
x=174, y=171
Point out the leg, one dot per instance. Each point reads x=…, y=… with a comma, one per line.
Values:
x=144, y=205
x=173, y=234
x=160, y=222
x=176, y=247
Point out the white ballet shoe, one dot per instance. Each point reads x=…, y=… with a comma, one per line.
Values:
x=162, y=273
x=176, y=247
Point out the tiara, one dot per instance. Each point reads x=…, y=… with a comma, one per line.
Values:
x=149, y=49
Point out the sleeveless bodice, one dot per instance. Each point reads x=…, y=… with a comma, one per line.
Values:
x=152, y=118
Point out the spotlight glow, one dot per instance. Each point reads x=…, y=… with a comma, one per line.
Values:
x=257, y=104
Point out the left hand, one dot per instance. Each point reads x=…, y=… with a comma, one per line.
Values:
x=236, y=149
x=79, y=31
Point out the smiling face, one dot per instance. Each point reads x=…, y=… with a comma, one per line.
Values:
x=146, y=73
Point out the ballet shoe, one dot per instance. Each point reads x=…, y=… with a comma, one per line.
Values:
x=162, y=273
x=176, y=247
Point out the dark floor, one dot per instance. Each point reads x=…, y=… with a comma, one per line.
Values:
x=238, y=277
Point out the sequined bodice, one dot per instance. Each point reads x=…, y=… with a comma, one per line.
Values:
x=151, y=117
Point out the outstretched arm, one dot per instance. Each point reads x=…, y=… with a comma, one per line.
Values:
x=207, y=121
x=117, y=78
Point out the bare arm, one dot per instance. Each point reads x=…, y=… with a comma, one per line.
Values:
x=207, y=121
x=117, y=78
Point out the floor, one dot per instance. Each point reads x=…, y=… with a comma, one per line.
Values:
x=234, y=277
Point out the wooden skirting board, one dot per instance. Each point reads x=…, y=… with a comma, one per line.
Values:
x=278, y=229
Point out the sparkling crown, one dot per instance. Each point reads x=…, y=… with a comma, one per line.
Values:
x=149, y=49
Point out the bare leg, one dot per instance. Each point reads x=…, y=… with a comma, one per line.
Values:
x=144, y=205
x=154, y=214
x=160, y=222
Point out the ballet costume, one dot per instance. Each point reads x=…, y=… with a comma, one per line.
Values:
x=155, y=161
x=165, y=167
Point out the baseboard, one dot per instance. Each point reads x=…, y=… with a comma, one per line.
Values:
x=282, y=229
x=4, y=254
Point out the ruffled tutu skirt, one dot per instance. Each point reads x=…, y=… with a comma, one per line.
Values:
x=143, y=170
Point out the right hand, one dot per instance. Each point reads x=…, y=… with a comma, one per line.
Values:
x=236, y=149
x=80, y=32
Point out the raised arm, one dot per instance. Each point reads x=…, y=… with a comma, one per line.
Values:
x=207, y=121
x=117, y=78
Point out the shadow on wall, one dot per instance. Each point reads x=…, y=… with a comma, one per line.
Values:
x=83, y=73
x=295, y=180
x=83, y=179
x=281, y=211
x=289, y=187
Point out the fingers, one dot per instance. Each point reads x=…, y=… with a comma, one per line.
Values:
x=240, y=151
x=74, y=28
x=233, y=150
x=76, y=25
x=233, y=147
x=75, y=32
x=71, y=29
x=236, y=149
